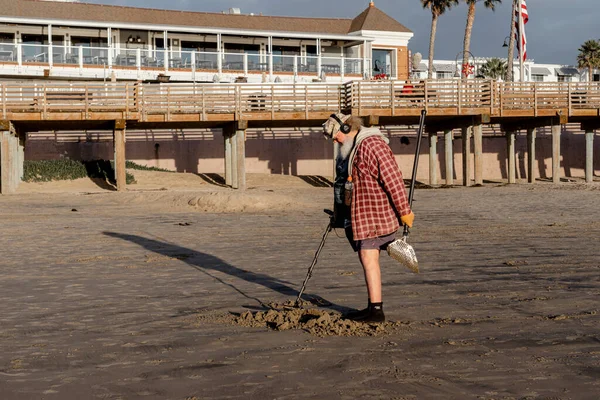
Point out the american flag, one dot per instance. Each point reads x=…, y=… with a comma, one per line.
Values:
x=520, y=36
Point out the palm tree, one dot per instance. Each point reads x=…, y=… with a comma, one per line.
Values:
x=511, y=43
x=494, y=68
x=491, y=4
x=589, y=57
x=437, y=7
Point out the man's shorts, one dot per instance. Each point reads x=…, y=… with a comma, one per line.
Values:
x=380, y=242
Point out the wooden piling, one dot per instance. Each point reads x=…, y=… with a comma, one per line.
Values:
x=478, y=150
x=556, y=130
x=531, y=170
x=228, y=155
x=466, y=153
x=589, y=156
x=9, y=170
x=21, y=155
x=448, y=147
x=433, y=140
x=234, y=162
x=119, y=148
x=510, y=153
x=240, y=136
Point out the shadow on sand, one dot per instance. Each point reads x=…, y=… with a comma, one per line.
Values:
x=206, y=263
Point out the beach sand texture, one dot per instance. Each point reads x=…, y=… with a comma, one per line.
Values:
x=162, y=292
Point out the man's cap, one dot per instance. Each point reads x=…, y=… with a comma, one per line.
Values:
x=331, y=126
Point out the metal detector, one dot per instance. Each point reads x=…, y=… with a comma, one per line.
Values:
x=314, y=262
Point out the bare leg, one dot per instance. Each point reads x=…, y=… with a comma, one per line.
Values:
x=369, y=258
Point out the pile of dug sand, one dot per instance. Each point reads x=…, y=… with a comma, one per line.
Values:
x=286, y=316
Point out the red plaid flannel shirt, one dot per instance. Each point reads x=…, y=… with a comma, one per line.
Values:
x=379, y=197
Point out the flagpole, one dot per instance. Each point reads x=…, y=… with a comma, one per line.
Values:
x=521, y=45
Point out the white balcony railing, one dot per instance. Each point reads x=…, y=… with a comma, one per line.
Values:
x=162, y=59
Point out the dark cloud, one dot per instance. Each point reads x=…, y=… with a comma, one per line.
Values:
x=555, y=30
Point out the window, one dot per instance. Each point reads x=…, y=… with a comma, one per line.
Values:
x=242, y=48
x=382, y=62
x=564, y=78
x=7, y=38
x=537, y=78
x=443, y=75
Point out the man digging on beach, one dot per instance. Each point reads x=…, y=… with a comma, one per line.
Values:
x=369, y=200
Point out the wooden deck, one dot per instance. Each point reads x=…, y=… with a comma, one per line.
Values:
x=35, y=106
x=169, y=103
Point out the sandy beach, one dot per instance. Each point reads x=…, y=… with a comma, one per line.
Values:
x=164, y=292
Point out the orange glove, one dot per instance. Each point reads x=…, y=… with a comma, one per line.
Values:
x=408, y=219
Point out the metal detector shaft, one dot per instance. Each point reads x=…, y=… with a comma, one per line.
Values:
x=415, y=165
x=314, y=262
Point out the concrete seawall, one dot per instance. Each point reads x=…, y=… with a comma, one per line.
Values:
x=303, y=151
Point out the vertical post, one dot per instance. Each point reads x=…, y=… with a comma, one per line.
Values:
x=109, y=42
x=111, y=48
x=466, y=152
x=19, y=50
x=589, y=155
x=433, y=140
x=510, y=152
x=448, y=144
x=80, y=58
x=531, y=175
x=270, y=55
x=193, y=65
x=234, y=160
x=14, y=158
x=478, y=149
x=556, y=152
x=50, y=49
x=21, y=156
x=240, y=137
x=227, y=133
x=166, y=48
x=295, y=66
x=119, y=145
x=4, y=164
x=365, y=61
x=8, y=160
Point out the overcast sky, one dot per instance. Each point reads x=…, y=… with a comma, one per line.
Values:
x=555, y=30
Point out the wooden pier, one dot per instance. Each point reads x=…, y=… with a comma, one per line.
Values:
x=450, y=104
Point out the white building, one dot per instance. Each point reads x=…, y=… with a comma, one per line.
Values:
x=73, y=40
x=448, y=69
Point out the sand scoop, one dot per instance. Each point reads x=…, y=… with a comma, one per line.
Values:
x=399, y=249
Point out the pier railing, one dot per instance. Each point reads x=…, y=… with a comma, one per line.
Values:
x=141, y=101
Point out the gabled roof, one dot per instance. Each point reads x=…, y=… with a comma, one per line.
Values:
x=69, y=11
x=373, y=19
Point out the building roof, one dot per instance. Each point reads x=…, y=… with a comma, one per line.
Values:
x=422, y=67
x=444, y=67
x=567, y=71
x=540, y=71
x=371, y=19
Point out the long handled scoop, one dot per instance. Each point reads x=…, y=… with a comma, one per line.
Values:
x=399, y=249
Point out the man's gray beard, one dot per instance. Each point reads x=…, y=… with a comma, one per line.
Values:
x=344, y=149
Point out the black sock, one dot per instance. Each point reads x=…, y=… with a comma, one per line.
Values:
x=376, y=306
